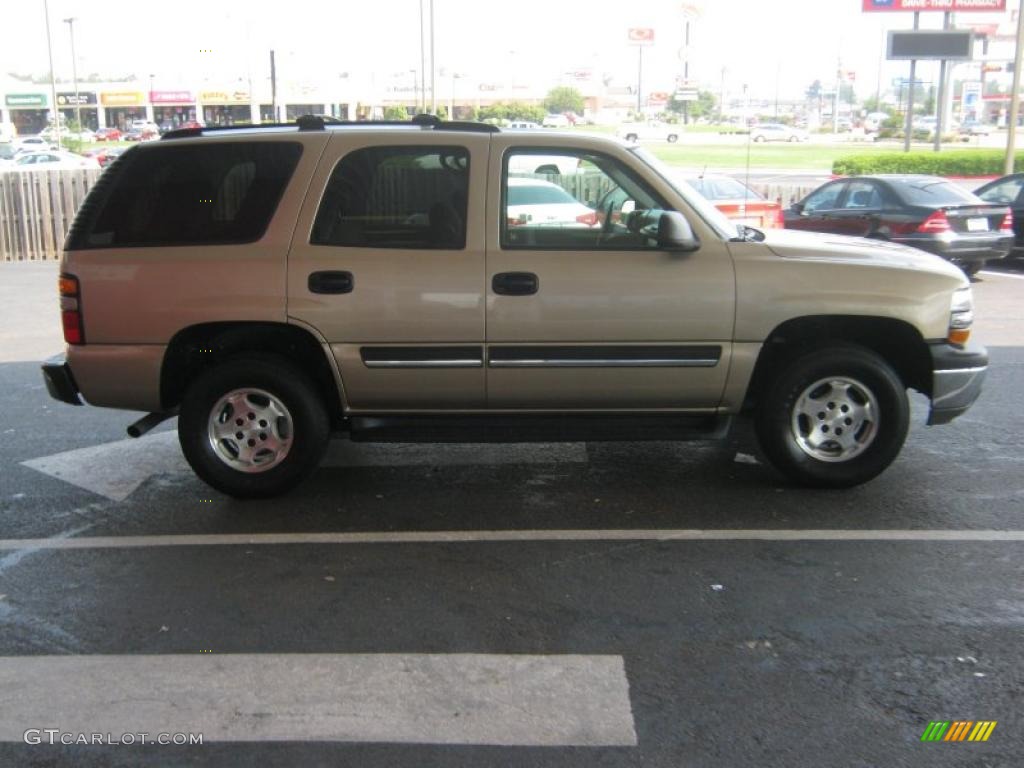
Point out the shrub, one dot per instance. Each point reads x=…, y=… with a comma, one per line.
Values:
x=965, y=162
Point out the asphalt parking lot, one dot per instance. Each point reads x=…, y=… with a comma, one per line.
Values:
x=581, y=604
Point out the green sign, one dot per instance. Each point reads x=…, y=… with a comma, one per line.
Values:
x=25, y=100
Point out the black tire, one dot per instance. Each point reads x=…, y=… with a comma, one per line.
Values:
x=777, y=425
x=309, y=425
x=760, y=139
x=971, y=268
x=631, y=137
x=672, y=138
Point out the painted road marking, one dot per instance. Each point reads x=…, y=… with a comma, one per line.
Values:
x=116, y=470
x=491, y=699
x=470, y=537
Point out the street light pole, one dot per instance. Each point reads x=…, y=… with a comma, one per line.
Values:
x=74, y=71
x=53, y=77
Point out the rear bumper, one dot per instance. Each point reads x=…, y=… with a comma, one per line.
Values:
x=962, y=248
x=59, y=381
x=957, y=376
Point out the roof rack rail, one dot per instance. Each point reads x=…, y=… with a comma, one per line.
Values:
x=320, y=123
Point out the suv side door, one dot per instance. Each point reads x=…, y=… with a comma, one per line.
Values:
x=387, y=263
x=584, y=311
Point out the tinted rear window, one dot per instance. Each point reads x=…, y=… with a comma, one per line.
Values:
x=933, y=192
x=209, y=194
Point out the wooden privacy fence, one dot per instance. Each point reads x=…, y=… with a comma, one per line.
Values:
x=36, y=211
x=37, y=207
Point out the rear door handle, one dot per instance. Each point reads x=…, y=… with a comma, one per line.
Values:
x=515, y=284
x=331, y=282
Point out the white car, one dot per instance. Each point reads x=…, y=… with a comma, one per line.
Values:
x=556, y=121
x=52, y=160
x=653, y=130
x=777, y=132
x=539, y=203
x=32, y=144
x=522, y=125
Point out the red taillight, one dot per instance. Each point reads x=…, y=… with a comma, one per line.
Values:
x=1007, y=226
x=589, y=218
x=71, y=310
x=935, y=223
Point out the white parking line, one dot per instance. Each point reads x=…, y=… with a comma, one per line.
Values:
x=116, y=470
x=492, y=699
x=471, y=537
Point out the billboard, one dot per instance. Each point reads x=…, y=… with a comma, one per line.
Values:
x=973, y=6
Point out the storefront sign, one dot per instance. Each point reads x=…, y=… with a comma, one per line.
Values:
x=224, y=97
x=949, y=6
x=25, y=100
x=67, y=99
x=122, y=99
x=171, y=97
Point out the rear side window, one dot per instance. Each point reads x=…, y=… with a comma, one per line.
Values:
x=396, y=197
x=198, y=194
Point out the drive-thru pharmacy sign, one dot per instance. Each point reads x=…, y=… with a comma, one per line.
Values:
x=935, y=5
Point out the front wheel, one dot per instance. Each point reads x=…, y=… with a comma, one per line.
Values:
x=672, y=138
x=631, y=137
x=834, y=418
x=253, y=426
x=760, y=139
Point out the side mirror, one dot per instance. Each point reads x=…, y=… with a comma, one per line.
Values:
x=675, y=233
x=797, y=208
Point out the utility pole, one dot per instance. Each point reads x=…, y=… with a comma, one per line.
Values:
x=908, y=126
x=1011, y=138
x=941, y=98
x=53, y=77
x=422, y=105
x=433, y=90
x=74, y=71
x=640, y=78
x=273, y=88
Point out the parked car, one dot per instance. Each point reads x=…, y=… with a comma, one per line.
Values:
x=970, y=128
x=1008, y=190
x=556, y=121
x=52, y=160
x=32, y=144
x=873, y=121
x=391, y=294
x=844, y=124
x=105, y=155
x=538, y=203
x=144, y=134
x=737, y=201
x=777, y=132
x=926, y=212
x=107, y=134
x=7, y=153
x=522, y=125
x=653, y=130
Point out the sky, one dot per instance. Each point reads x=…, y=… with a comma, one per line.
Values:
x=768, y=45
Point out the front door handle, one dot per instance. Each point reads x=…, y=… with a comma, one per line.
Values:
x=331, y=282
x=515, y=283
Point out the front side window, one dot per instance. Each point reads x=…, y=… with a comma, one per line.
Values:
x=1005, y=192
x=194, y=194
x=575, y=201
x=396, y=197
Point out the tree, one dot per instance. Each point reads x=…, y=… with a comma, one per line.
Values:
x=564, y=99
x=395, y=113
x=704, y=106
x=813, y=91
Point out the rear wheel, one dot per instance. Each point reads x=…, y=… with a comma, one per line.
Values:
x=253, y=426
x=759, y=139
x=631, y=137
x=672, y=138
x=972, y=268
x=834, y=418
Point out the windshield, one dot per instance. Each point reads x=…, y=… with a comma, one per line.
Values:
x=714, y=217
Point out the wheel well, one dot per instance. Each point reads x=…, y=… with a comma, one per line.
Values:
x=896, y=341
x=194, y=349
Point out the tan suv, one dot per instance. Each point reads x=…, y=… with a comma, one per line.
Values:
x=272, y=285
